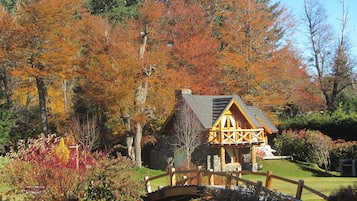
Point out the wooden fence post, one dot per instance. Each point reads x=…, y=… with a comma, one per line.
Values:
x=147, y=184
x=300, y=186
x=239, y=177
x=268, y=180
x=228, y=181
x=172, y=176
x=199, y=175
x=258, y=187
x=210, y=177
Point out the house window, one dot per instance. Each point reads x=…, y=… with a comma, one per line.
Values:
x=229, y=122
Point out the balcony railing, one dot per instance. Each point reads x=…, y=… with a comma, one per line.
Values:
x=236, y=136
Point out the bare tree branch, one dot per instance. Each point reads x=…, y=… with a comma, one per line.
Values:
x=187, y=131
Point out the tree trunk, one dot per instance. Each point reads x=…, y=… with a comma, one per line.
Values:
x=41, y=88
x=129, y=145
x=137, y=144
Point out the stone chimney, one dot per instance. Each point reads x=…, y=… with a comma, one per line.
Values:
x=180, y=92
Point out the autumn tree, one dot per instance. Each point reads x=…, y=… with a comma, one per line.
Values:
x=47, y=47
x=329, y=57
x=255, y=54
x=10, y=32
x=193, y=49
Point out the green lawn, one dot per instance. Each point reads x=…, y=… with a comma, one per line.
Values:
x=313, y=176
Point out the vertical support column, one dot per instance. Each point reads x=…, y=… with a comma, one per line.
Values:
x=300, y=186
x=199, y=175
x=223, y=159
x=253, y=153
x=172, y=176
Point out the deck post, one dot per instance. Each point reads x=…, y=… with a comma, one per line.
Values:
x=254, y=158
x=210, y=177
x=300, y=186
x=223, y=159
x=172, y=176
x=199, y=175
x=268, y=181
x=147, y=184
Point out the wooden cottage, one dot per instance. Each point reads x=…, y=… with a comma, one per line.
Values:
x=230, y=132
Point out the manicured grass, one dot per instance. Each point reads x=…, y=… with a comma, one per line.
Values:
x=313, y=177
x=142, y=172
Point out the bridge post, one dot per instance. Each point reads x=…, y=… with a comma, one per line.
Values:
x=147, y=184
x=269, y=180
x=228, y=181
x=210, y=177
x=172, y=176
x=239, y=182
x=199, y=175
x=300, y=186
x=259, y=187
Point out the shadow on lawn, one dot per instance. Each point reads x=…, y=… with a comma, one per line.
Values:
x=315, y=170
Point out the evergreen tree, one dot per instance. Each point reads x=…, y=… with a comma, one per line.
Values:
x=116, y=10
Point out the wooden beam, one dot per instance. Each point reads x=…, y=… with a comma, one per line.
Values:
x=223, y=158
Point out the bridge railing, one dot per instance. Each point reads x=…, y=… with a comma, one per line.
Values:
x=199, y=173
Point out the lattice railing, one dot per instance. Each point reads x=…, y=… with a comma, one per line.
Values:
x=236, y=136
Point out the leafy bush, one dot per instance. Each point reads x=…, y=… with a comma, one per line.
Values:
x=305, y=145
x=342, y=150
x=6, y=124
x=112, y=179
x=44, y=169
x=313, y=146
x=348, y=193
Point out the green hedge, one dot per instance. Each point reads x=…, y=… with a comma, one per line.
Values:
x=338, y=125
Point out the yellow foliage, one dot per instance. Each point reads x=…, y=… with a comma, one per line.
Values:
x=62, y=152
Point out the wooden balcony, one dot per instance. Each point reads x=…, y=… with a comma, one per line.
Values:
x=237, y=136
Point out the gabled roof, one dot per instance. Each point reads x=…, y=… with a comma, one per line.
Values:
x=261, y=117
x=209, y=109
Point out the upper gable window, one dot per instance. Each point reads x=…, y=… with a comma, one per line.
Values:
x=228, y=121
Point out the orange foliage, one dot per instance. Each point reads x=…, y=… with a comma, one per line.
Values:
x=47, y=50
x=257, y=62
x=193, y=49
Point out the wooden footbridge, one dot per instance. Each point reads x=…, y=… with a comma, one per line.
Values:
x=194, y=183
